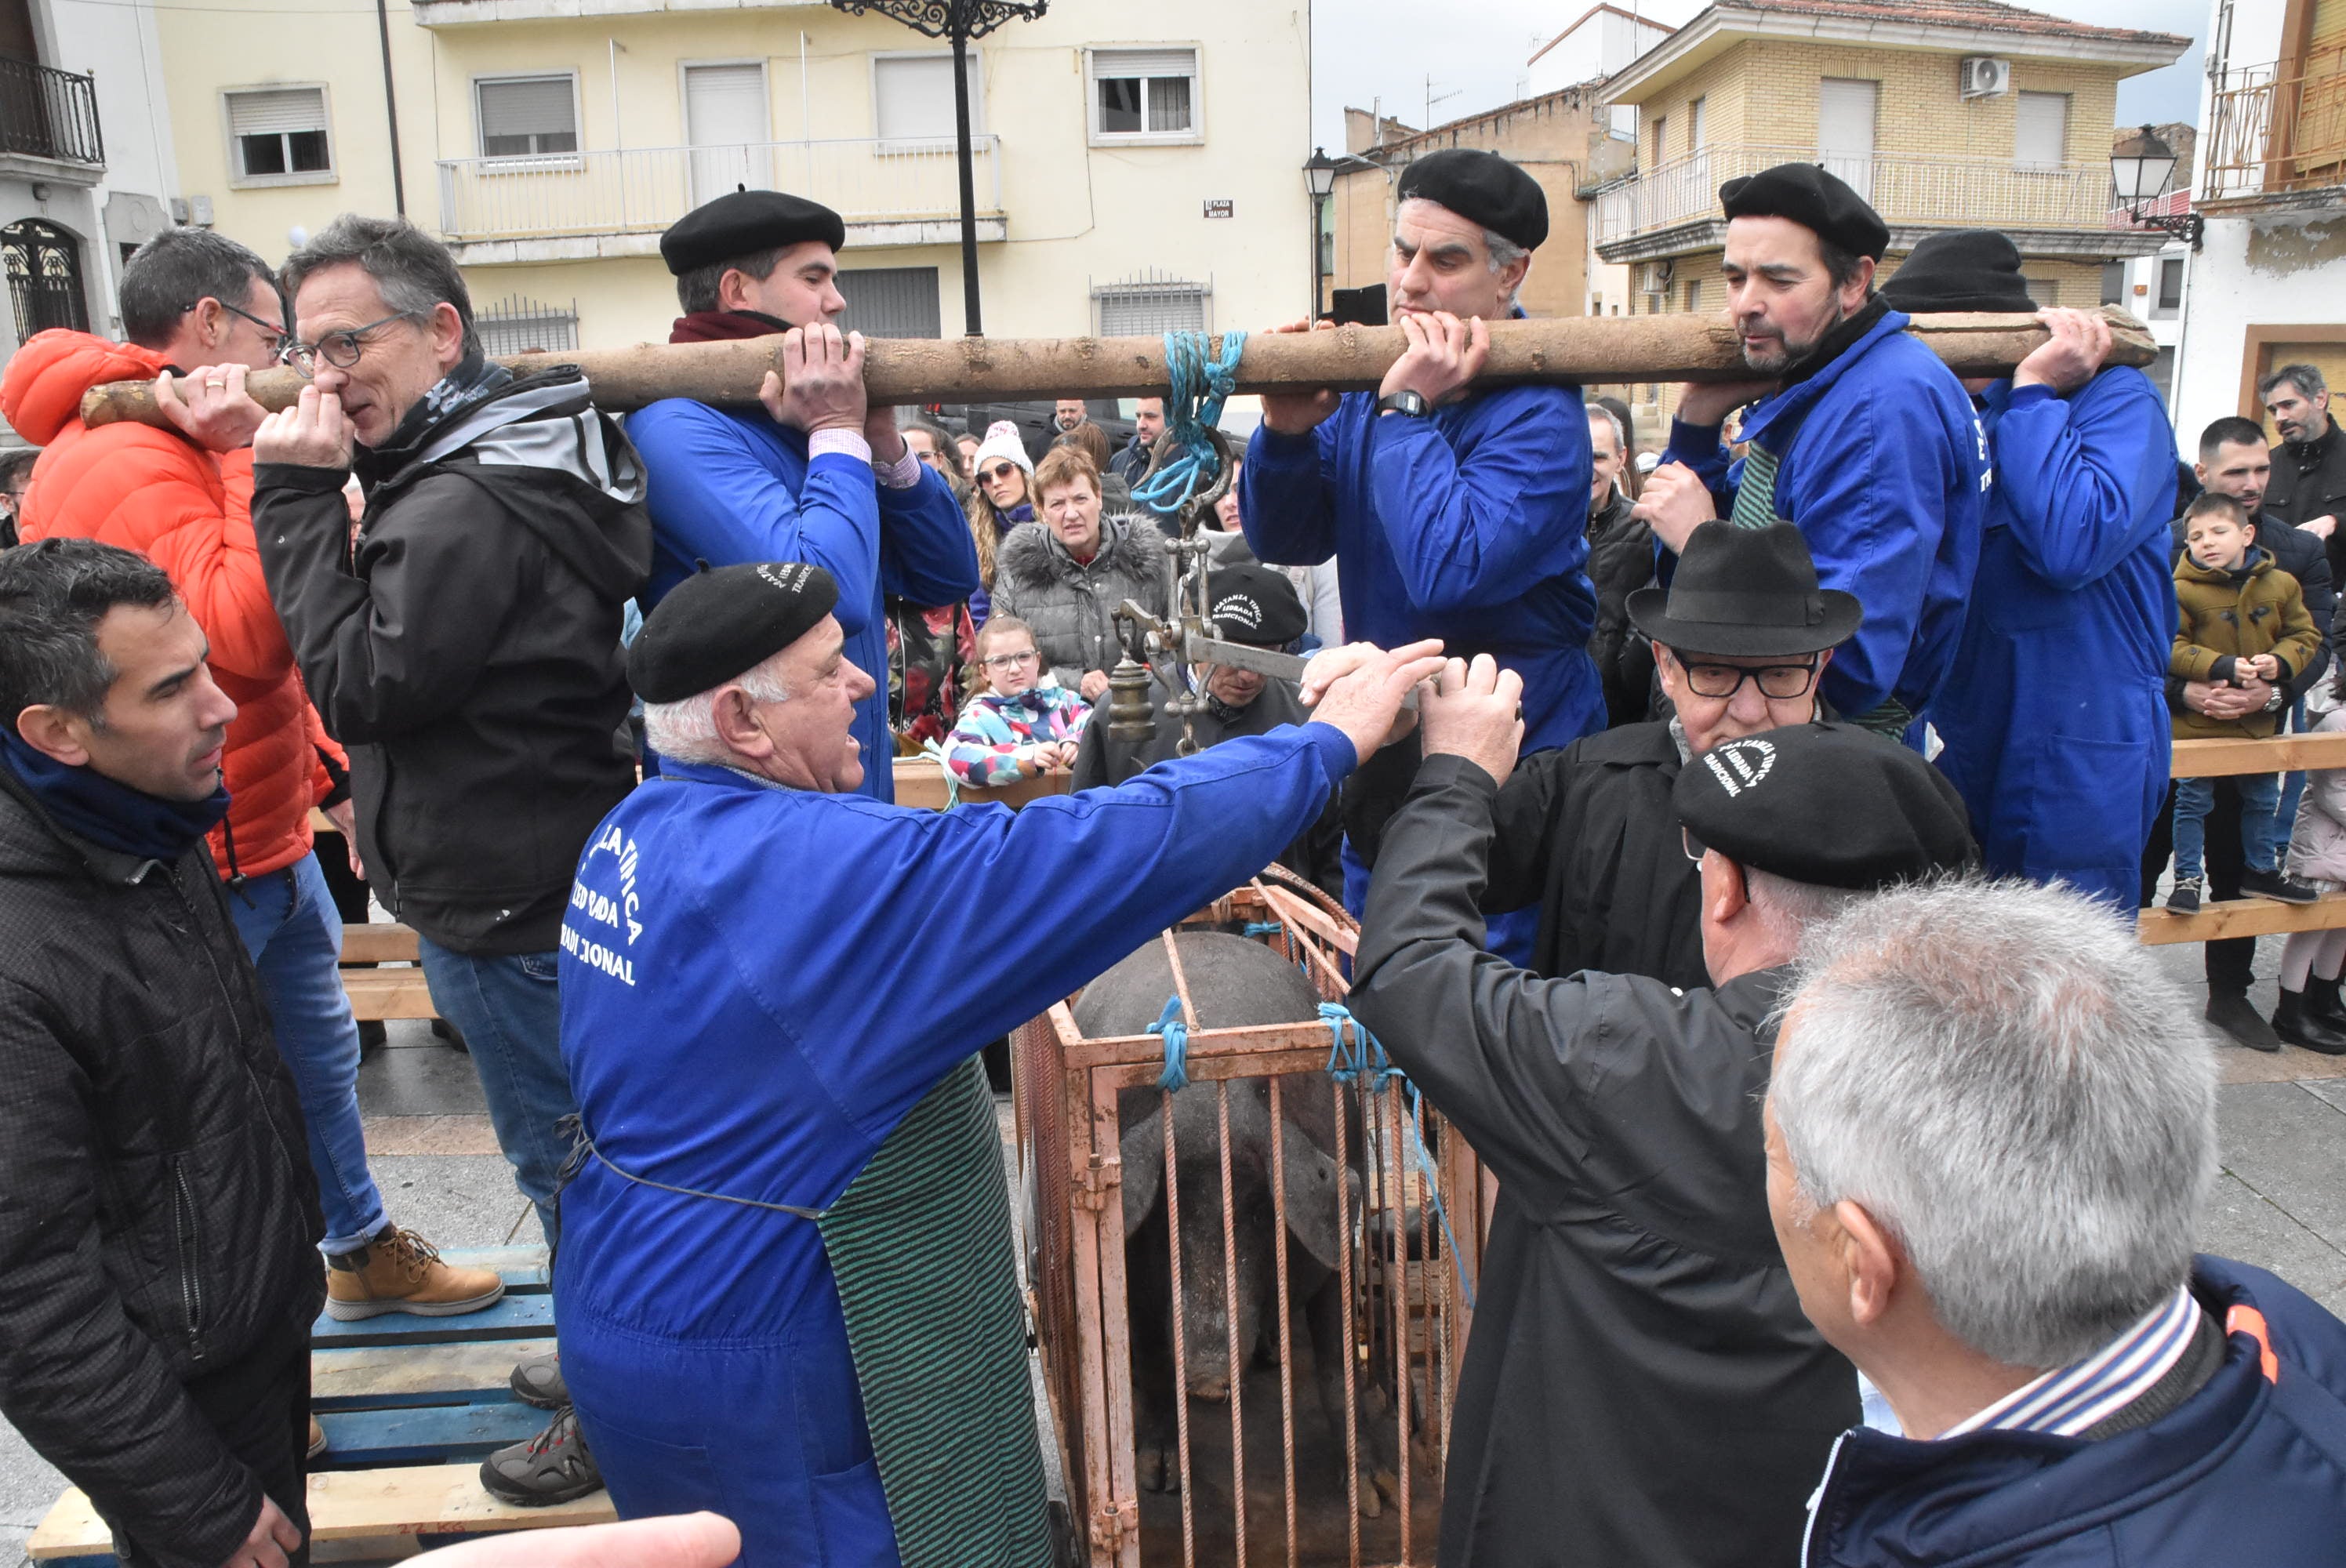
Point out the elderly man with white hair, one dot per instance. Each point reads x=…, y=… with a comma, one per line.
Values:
x=787, y=1286
x=1989, y=1144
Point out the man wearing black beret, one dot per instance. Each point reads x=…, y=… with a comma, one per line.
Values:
x=1259, y=606
x=1641, y=1385
x=2054, y=712
x=815, y=475
x=789, y=1292
x=1451, y=511
x=1861, y=437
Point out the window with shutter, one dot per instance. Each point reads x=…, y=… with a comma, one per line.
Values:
x=526, y=117
x=912, y=98
x=278, y=135
x=1149, y=304
x=1144, y=95
x=2040, y=135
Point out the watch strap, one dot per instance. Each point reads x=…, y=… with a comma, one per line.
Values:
x=1407, y=403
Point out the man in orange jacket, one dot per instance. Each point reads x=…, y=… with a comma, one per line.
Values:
x=190, y=297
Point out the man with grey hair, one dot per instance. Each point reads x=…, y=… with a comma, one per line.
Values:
x=1988, y=1148
x=1639, y=1386
x=467, y=650
x=2308, y=487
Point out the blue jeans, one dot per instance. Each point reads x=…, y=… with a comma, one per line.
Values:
x=288, y=922
x=509, y=1008
x=2260, y=821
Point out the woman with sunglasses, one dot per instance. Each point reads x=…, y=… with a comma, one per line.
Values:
x=1001, y=497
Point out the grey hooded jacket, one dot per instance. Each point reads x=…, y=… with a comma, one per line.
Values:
x=1072, y=607
x=467, y=652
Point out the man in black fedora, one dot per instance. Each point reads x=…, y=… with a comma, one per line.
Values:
x=1588, y=834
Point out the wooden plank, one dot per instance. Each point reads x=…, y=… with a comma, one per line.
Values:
x=2240, y=917
x=388, y=994
x=354, y=1505
x=380, y=942
x=428, y=1434
x=921, y=782
x=523, y=1266
x=377, y=1377
x=2274, y=754
x=514, y=1318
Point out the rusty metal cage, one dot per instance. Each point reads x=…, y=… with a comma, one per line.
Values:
x=1413, y=1207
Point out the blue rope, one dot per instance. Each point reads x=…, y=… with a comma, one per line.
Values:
x=936, y=754
x=1264, y=927
x=1169, y=1023
x=1366, y=1055
x=1434, y=1191
x=1199, y=384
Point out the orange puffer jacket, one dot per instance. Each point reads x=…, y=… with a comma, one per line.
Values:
x=189, y=512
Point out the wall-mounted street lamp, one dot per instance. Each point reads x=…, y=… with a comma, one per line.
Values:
x=2141, y=169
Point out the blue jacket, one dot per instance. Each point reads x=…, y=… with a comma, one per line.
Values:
x=729, y=486
x=1469, y=526
x=2249, y=1470
x=2055, y=715
x=1886, y=473
x=758, y=985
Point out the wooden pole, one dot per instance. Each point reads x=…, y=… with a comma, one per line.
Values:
x=906, y=370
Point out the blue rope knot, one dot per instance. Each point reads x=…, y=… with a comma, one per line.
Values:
x=1264, y=927
x=1363, y=1055
x=1200, y=382
x=1176, y=1034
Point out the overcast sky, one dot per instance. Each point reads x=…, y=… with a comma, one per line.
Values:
x=1475, y=51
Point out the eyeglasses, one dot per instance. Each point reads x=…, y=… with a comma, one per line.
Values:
x=998, y=473
x=1776, y=681
x=273, y=337
x=1693, y=846
x=1009, y=661
x=340, y=350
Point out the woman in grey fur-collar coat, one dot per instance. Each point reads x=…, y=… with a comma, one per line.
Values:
x=1065, y=574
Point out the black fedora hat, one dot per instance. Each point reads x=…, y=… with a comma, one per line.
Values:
x=1745, y=593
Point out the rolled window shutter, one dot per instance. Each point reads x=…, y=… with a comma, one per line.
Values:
x=278, y=112
x=1143, y=63
x=539, y=106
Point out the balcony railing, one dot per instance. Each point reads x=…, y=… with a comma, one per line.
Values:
x=1990, y=193
x=644, y=189
x=48, y=113
x=2276, y=129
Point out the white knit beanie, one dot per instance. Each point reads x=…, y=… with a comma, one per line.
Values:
x=1002, y=441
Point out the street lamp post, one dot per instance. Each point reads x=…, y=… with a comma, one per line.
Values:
x=2141, y=168
x=958, y=21
x=1320, y=179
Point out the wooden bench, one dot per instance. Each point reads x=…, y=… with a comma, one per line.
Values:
x=2215, y=922
x=410, y=1407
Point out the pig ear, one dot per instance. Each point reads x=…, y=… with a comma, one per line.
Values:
x=1142, y=1151
x=1312, y=1216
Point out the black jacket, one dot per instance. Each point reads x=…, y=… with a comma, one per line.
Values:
x=1620, y=562
x=1589, y=835
x=469, y=660
x=2301, y=554
x=2308, y=481
x=1316, y=854
x=1640, y=1386
x=157, y=1216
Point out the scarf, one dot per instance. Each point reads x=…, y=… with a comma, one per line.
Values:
x=1006, y=521
x=91, y=806
x=724, y=326
x=473, y=379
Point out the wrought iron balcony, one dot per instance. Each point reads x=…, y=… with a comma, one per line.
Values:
x=1673, y=207
x=49, y=114
x=890, y=188
x=2277, y=135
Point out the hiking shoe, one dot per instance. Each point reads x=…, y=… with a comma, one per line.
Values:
x=550, y=1467
x=317, y=1439
x=2185, y=899
x=399, y=1271
x=2231, y=1012
x=2277, y=884
x=537, y=1380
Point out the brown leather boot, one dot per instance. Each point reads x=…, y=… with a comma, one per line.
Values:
x=399, y=1271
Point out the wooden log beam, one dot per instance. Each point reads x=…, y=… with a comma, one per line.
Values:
x=2239, y=917
x=906, y=370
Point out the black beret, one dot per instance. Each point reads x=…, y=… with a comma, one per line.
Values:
x=744, y=222
x=720, y=625
x=1255, y=605
x=1829, y=805
x=1484, y=188
x=1968, y=269
x=1813, y=197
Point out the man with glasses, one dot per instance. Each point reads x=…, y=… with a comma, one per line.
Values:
x=1587, y=835
x=201, y=310
x=15, y=478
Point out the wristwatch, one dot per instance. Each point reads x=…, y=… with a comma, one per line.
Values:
x=1409, y=403
x=2278, y=700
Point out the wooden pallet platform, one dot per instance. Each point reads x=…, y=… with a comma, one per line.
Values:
x=410, y=1407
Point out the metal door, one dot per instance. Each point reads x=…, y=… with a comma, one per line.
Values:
x=43, y=265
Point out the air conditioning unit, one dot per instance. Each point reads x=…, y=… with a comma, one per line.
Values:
x=1654, y=277
x=1983, y=77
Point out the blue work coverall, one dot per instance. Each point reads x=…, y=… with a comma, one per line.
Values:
x=1886, y=475
x=758, y=985
x=2055, y=715
x=732, y=486
x=1470, y=524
